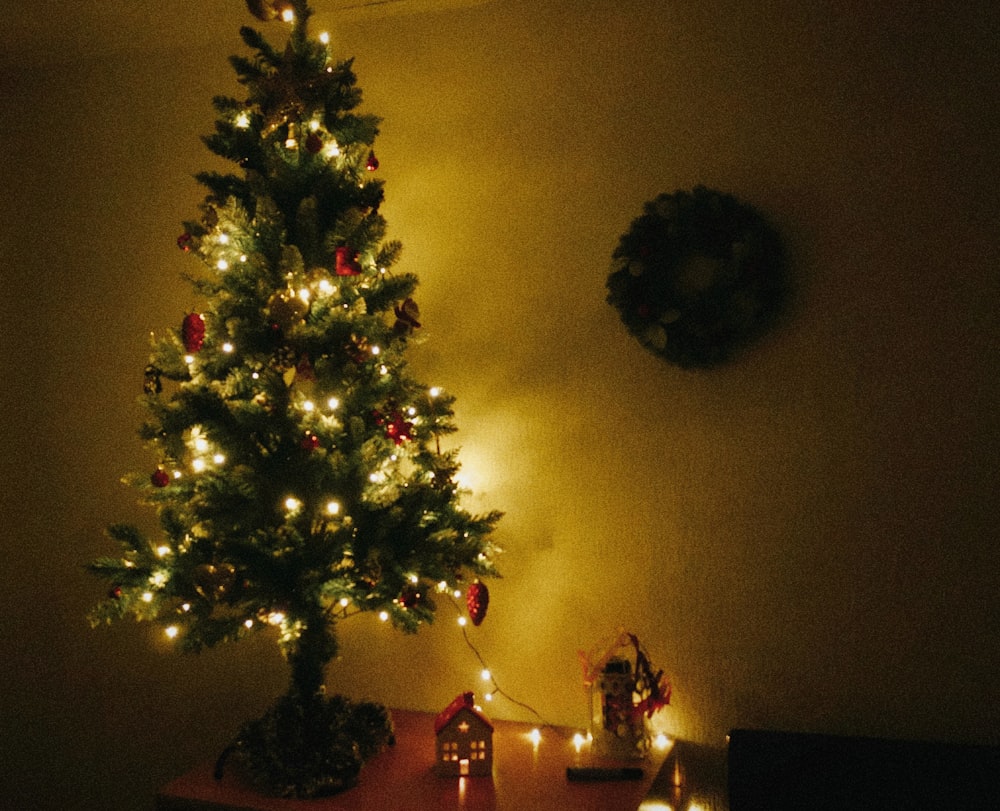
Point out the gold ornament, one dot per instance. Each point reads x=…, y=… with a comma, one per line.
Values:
x=287, y=309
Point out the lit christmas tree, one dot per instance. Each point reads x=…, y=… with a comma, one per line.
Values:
x=299, y=472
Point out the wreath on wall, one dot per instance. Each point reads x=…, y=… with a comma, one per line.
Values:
x=697, y=277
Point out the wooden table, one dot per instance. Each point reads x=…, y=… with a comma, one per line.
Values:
x=526, y=777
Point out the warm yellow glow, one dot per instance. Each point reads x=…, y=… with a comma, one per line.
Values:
x=185, y=607
x=324, y=37
x=486, y=675
x=162, y=551
x=177, y=474
x=304, y=294
x=344, y=602
x=326, y=287
x=291, y=143
x=243, y=121
x=308, y=405
x=488, y=697
x=171, y=631
x=314, y=125
x=536, y=736
x=331, y=150
x=147, y=596
x=376, y=351
x=275, y=618
x=219, y=459
x=198, y=465
x=288, y=15
x=158, y=579
x=661, y=742
x=200, y=444
x=414, y=579
x=462, y=621
x=223, y=239
x=333, y=403
x=227, y=347
x=222, y=264
x=333, y=507
x=435, y=391
x=292, y=504
x=248, y=623
x=578, y=741
x=189, y=359
x=383, y=615
x=655, y=805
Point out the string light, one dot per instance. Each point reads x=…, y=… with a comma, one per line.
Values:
x=243, y=121
x=171, y=631
x=333, y=507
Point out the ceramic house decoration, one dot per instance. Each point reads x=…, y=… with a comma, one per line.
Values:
x=464, y=740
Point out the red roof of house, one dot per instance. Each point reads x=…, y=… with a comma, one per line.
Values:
x=463, y=701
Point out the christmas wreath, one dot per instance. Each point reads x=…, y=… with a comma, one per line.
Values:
x=697, y=277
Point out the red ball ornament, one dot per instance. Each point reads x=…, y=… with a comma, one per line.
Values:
x=310, y=442
x=184, y=242
x=372, y=164
x=193, y=332
x=398, y=429
x=347, y=262
x=313, y=143
x=160, y=478
x=477, y=600
x=411, y=597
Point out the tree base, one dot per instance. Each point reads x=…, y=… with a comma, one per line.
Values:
x=309, y=747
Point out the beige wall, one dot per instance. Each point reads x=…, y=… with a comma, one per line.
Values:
x=804, y=539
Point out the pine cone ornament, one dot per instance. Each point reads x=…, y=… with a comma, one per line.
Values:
x=477, y=600
x=193, y=332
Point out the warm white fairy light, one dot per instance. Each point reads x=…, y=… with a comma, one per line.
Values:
x=228, y=348
x=223, y=239
x=314, y=125
x=376, y=351
x=158, y=579
x=288, y=15
x=222, y=264
x=333, y=508
x=327, y=288
x=578, y=741
x=414, y=579
x=462, y=621
x=200, y=443
x=163, y=551
x=332, y=150
x=248, y=624
x=275, y=618
x=344, y=602
x=304, y=294
x=147, y=596
x=189, y=359
x=536, y=736
x=383, y=369
x=290, y=142
x=383, y=615
x=219, y=459
x=333, y=403
x=485, y=675
x=171, y=631
x=292, y=504
x=435, y=391
x=661, y=742
x=198, y=465
x=242, y=121
x=324, y=37
x=308, y=406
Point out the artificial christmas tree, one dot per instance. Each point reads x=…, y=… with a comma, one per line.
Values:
x=299, y=475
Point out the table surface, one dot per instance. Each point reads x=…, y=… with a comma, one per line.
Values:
x=526, y=777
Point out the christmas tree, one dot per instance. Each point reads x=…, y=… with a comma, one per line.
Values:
x=299, y=473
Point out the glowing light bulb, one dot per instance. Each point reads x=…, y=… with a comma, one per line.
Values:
x=198, y=465
x=288, y=15
x=536, y=736
x=308, y=405
x=324, y=37
x=314, y=125
x=304, y=294
x=200, y=444
x=383, y=370
x=162, y=551
x=578, y=741
x=275, y=618
x=243, y=121
x=189, y=359
x=486, y=675
x=171, y=631
x=462, y=621
x=333, y=403
x=291, y=143
x=223, y=239
x=414, y=579
x=292, y=504
x=331, y=150
x=327, y=288
x=435, y=391
x=227, y=347
x=333, y=508
x=344, y=602
x=383, y=615
x=147, y=596
x=376, y=351
x=248, y=624
x=222, y=264
x=661, y=742
x=219, y=459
